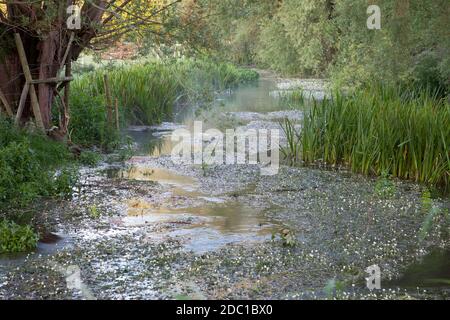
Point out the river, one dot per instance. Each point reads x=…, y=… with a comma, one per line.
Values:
x=153, y=229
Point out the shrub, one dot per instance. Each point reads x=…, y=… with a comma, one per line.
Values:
x=27, y=165
x=88, y=117
x=90, y=158
x=64, y=182
x=21, y=177
x=16, y=238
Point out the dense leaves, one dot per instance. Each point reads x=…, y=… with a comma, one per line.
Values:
x=330, y=38
x=16, y=238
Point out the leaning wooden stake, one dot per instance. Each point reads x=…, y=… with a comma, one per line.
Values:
x=68, y=74
x=23, y=99
x=29, y=79
x=67, y=52
x=5, y=103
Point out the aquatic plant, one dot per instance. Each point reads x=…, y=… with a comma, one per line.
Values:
x=384, y=186
x=287, y=236
x=402, y=132
x=90, y=158
x=291, y=152
x=426, y=201
x=436, y=219
x=333, y=288
x=145, y=93
x=94, y=212
x=429, y=222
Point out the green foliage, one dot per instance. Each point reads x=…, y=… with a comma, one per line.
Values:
x=64, y=182
x=88, y=124
x=293, y=98
x=427, y=202
x=20, y=176
x=276, y=51
x=428, y=222
x=333, y=288
x=411, y=47
x=204, y=167
x=292, y=152
x=288, y=238
x=146, y=93
x=94, y=212
x=90, y=158
x=384, y=187
x=16, y=238
x=124, y=153
x=382, y=129
x=330, y=38
x=437, y=219
x=27, y=167
x=300, y=38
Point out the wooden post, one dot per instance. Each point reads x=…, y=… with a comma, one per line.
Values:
x=29, y=79
x=108, y=100
x=52, y=80
x=68, y=74
x=66, y=54
x=23, y=99
x=6, y=104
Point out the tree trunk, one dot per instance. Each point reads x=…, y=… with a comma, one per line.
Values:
x=48, y=68
x=45, y=52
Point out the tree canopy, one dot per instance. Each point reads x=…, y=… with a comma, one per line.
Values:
x=50, y=42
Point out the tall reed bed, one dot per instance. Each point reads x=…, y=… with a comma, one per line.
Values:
x=382, y=130
x=147, y=91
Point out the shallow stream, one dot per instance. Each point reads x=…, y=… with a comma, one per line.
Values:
x=153, y=229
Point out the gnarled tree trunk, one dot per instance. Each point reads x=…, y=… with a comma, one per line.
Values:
x=45, y=49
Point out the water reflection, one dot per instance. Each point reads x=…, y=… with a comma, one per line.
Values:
x=257, y=97
x=160, y=175
x=225, y=217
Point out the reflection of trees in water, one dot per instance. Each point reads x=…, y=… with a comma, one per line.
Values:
x=154, y=146
x=147, y=143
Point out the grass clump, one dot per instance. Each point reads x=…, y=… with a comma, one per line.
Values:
x=292, y=151
x=384, y=187
x=334, y=288
x=16, y=238
x=90, y=158
x=88, y=121
x=381, y=129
